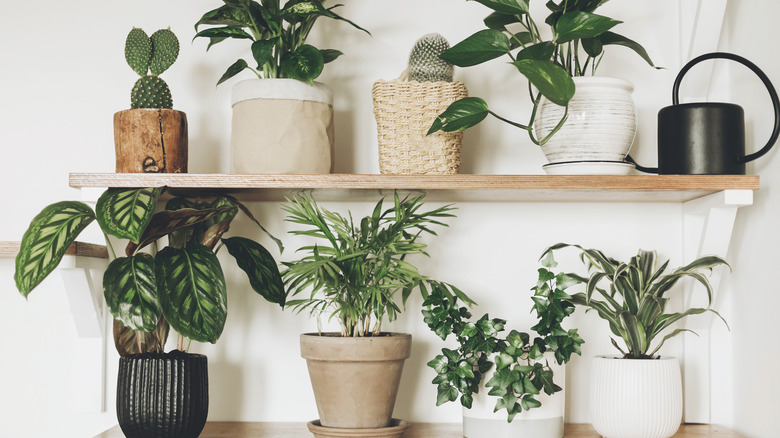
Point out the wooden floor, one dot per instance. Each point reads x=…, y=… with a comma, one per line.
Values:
x=416, y=430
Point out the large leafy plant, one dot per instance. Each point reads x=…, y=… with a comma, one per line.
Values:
x=181, y=284
x=277, y=35
x=632, y=296
x=357, y=270
x=521, y=371
x=575, y=47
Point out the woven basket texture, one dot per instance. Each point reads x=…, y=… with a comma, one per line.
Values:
x=404, y=112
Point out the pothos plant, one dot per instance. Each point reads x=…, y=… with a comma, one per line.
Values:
x=355, y=273
x=632, y=296
x=521, y=371
x=181, y=284
x=277, y=35
x=575, y=46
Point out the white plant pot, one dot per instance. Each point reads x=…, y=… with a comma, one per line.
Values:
x=600, y=127
x=281, y=126
x=635, y=398
x=545, y=421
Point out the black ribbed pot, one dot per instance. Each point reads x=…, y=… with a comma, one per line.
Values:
x=162, y=395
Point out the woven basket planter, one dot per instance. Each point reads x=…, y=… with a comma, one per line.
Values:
x=404, y=112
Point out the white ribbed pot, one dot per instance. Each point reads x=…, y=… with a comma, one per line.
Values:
x=635, y=398
x=281, y=126
x=600, y=127
x=545, y=421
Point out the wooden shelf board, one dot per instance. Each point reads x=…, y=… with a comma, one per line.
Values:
x=80, y=249
x=455, y=188
x=416, y=430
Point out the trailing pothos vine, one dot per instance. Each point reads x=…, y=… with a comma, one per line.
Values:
x=521, y=371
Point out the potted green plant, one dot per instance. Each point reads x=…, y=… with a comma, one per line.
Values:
x=555, y=69
x=151, y=136
x=180, y=286
x=529, y=367
x=282, y=120
x=354, y=275
x=639, y=393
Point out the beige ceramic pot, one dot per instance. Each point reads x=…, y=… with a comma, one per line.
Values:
x=150, y=140
x=355, y=379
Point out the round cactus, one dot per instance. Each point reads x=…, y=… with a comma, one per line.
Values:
x=138, y=51
x=165, y=50
x=151, y=92
x=425, y=65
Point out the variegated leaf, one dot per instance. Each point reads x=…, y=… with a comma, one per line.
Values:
x=44, y=243
x=131, y=292
x=259, y=266
x=165, y=222
x=128, y=341
x=125, y=213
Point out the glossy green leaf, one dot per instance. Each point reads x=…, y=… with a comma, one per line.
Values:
x=260, y=267
x=226, y=15
x=514, y=7
x=635, y=335
x=541, y=51
x=578, y=24
x=263, y=51
x=460, y=115
x=446, y=393
x=191, y=288
x=499, y=21
x=330, y=55
x=305, y=64
x=130, y=289
x=236, y=68
x=611, y=38
x=224, y=32
x=46, y=240
x=480, y=47
x=125, y=213
x=592, y=46
x=550, y=79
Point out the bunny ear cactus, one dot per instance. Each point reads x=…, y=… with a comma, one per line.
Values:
x=150, y=57
x=425, y=64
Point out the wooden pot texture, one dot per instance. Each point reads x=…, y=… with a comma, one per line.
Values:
x=150, y=140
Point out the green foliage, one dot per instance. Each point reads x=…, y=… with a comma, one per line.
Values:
x=150, y=57
x=182, y=285
x=277, y=35
x=521, y=372
x=425, y=65
x=633, y=295
x=579, y=37
x=356, y=272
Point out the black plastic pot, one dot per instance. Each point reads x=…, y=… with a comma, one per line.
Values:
x=162, y=395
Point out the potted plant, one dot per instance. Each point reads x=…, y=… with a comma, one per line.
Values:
x=180, y=286
x=529, y=368
x=355, y=276
x=555, y=68
x=639, y=393
x=151, y=136
x=283, y=120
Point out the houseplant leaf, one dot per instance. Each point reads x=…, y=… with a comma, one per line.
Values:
x=191, y=288
x=460, y=115
x=125, y=213
x=128, y=341
x=46, y=240
x=226, y=15
x=513, y=7
x=611, y=38
x=550, y=79
x=234, y=69
x=166, y=221
x=263, y=51
x=131, y=292
x=478, y=48
x=305, y=64
x=259, y=266
x=577, y=24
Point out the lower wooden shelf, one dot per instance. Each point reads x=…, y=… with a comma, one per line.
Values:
x=416, y=430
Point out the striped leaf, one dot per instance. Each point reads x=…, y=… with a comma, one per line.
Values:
x=192, y=292
x=166, y=221
x=125, y=213
x=131, y=292
x=259, y=266
x=44, y=243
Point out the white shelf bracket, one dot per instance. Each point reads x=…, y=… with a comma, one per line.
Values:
x=708, y=223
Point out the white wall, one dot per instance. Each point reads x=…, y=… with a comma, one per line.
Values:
x=61, y=86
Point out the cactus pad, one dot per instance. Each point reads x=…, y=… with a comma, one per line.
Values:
x=425, y=65
x=138, y=51
x=151, y=92
x=165, y=50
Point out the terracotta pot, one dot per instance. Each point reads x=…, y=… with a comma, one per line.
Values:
x=355, y=380
x=149, y=140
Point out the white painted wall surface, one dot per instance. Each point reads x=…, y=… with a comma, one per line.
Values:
x=64, y=77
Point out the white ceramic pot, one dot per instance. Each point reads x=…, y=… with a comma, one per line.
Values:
x=545, y=421
x=600, y=127
x=635, y=398
x=281, y=126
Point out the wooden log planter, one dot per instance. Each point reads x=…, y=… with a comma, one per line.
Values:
x=150, y=140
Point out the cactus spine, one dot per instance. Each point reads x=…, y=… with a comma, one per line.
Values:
x=425, y=65
x=149, y=57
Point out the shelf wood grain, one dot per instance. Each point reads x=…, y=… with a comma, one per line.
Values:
x=80, y=249
x=416, y=430
x=455, y=188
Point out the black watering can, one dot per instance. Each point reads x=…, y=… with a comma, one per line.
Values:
x=707, y=138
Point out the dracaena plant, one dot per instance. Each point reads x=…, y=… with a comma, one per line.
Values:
x=521, y=370
x=181, y=285
x=632, y=296
x=277, y=34
x=356, y=271
x=574, y=46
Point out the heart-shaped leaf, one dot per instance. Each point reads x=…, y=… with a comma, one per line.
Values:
x=550, y=79
x=460, y=115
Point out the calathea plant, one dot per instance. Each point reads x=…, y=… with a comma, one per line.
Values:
x=277, y=34
x=150, y=57
x=181, y=284
x=578, y=39
x=632, y=296
x=521, y=371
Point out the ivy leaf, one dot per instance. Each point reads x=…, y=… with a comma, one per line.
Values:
x=446, y=393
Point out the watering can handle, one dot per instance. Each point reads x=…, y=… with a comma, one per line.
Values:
x=754, y=69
